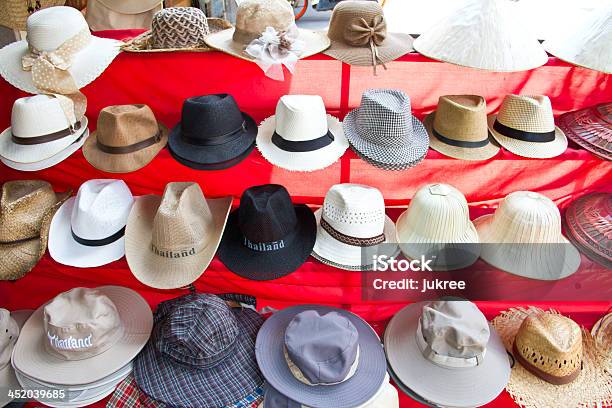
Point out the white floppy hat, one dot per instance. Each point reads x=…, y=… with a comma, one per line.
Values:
x=61, y=38
x=88, y=230
x=301, y=137
x=10, y=326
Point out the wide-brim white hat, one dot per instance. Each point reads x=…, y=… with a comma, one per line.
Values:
x=7, y=373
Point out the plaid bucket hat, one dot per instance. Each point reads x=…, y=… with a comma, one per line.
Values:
x=201, y=353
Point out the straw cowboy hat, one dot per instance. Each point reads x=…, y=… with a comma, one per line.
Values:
x=555, y=360
x=301, y=136
x=14, y=13
x=458, y=128
x=10, y=326
x=358, y=34
x=525, y=126
x=590, y=128
x=437, y=224
x=26, y=209
x=523, y=237
x=171, y=240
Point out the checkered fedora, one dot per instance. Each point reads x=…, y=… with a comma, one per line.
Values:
x=384, y=132
x=201, y=353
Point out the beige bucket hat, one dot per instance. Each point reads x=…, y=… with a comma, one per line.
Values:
x=26, y=210
x=171, y=240
x=458, y=128
x=10, y=326
x=555, y=360
x=525, y=126
x=127, y=138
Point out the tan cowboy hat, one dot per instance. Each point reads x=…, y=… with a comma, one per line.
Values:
x=26, y=210
x=171, y=240
x=555, y=360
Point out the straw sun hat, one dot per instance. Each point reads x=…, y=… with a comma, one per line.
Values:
x=590, y=128
x=14, y=13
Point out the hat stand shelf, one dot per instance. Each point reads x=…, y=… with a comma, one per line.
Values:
x=164, y=80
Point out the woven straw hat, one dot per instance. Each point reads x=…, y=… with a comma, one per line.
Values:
x=437, y=222
x=10, y=326
x=602, y=334
x=525, y=126
x=549, y=348
x=586, y=42
x=177, y=29
x=358, y=34
x=458, y=128
x=26, y=209
x=590, y=128
x=523, y=237
x=126, y=139
x=14, y=13
x=171, y=240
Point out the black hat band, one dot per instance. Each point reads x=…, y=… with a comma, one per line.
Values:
x=535, y=137
x=216, y=140
x=460, y=143
x=302, y=146
x=99, y=242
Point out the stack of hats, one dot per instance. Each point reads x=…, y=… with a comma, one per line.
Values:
x=590, y=128
x=11, y=324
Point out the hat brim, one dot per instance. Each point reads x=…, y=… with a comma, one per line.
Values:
x=7, y=374
x=123, y=163
x=302, y=161
x=168, y=273
x=459, y=387
x=394, y=46
x=534, y=150
x=33, y=154
x=357, y=390
x=220, y=385
x=260, y=266
x=587, y=131
x=214, y=166
x=314, y=43
x=403, y=388
x=88, y=64
x=535, y=261
x=31, y=357
x=477, y=153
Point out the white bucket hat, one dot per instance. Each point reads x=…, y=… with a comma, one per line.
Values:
x=58, y=46
x=88, y=230
x=10, y=326
x=301, y=136
x=352, y=227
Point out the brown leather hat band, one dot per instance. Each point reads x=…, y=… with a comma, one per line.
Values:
x=130, y=148
x=348, y=240
x=541, y=374
x=51, y=137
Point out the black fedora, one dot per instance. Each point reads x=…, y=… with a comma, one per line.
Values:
x=213, y=134
x=267, y=237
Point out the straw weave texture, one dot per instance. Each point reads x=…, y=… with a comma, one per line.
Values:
x=591, y=128
x=14, y=13
x=602, y=333
x=528, y=113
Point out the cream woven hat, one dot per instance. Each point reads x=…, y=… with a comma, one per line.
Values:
x=10, y=326
x=171, y=240
x=352, y=227
x=458, y=128
x=301, y=136
x=556, y=361
x=523, y=237
x=586, y=42
x=88, y=230
x=437, y=223
x=525, y=126
x=484, y=34
x=39, y=131
x=14, y=13
x=60, y=41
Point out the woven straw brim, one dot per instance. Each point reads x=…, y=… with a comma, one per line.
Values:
x=602, y=334
x=592, y=387
x=314, y=43
x=588, y=131
x=123, y=163
x=478, y=153
x=394, y=46
x=530, y=149
x=144, y=42
x=168, y=273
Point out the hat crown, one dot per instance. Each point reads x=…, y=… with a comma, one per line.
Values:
x=346, y=11
x=384, y=117
x=101, y=208
x=355, y=210
x=461, y=117
x=124, y=125
x=254, y=16
x=527, y=113
x=301, y=117
x=9, y=331
x=209, y=116
x=323, y=347
x=50, y=27
x=38, y=115
x=191, y=20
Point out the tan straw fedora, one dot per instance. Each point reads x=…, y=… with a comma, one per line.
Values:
x=26, y=210
x=555, y=360
x=170, y=240
x=458, y=128
x=525, y=126
x=126, y=139
x=15, y=13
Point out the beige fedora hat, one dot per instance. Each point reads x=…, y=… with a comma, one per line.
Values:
x=555, y=360
x=525, y=126
x=170, y=240
x=126, y=139
x=458, y=128
x=437, y=223
x=523, y=237
x=358, y=34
